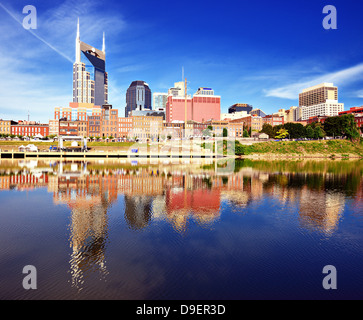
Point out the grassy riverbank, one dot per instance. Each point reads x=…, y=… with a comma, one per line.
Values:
x=317, y=149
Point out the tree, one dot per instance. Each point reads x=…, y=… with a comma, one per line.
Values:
x=342, y=126
x=245, y=133
x=319, y=133
x=296, y=130
x=282, y=134
x=332, y=126
x=225, y=132
x=268, y=129
x=309, y=132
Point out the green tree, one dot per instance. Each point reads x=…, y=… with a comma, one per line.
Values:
x=225, y=132
x=296, y=130
x=268, y=129
x=309, y=132
x=245, y=133
x=342, y=126
x=319, y=132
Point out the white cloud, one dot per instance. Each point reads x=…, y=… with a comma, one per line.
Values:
x=339, y=78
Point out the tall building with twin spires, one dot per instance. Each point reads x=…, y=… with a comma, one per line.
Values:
x=87, y=89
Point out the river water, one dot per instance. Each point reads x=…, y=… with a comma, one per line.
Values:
x=185, y=230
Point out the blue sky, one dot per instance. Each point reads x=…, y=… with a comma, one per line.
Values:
x=258, y=52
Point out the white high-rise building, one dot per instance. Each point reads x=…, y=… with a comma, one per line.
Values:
x=330, y=108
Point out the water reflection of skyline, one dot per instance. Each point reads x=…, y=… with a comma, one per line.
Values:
x=176, y=194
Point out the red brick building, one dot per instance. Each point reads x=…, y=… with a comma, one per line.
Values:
x=30, y=129
x=273, y=120
x=204, y=106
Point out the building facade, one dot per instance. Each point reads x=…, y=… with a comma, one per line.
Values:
x=329, y=109
x=109, y=124
x=5, y=126
x=77, y=111
x=199, y=108
x=68, y=128
x=53, y=127
x=138, y=97
x=318, y=95
x=240, y=107
x=94, y=126
x=147, y=128
x=254, y=123
x=125, y=127
x=258, y=112
x=234, y=115
x=273, y=120
x=85, y=89
x=159, y=100
x=30, y=129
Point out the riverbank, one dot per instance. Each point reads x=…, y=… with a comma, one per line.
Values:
x=323, y=149
x=269, y=150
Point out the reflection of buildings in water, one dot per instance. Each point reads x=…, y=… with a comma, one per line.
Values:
x=358, y=201
x=180, y=191
x=158, y=207
x=88, y=240
x=320, y=209
x=89, y=198
x=138, y=211
x=191, y=197
x=23, y=181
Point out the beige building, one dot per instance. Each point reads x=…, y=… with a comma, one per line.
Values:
x=318, y=94
x=146, y=127
x=253, y=122
x=5, y=126
x=53, y=127
x=235, y=129
x=218, y=126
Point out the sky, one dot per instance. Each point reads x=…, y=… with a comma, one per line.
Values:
x=258, y=52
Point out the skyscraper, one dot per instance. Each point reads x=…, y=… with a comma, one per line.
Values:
x=320, y=100
x=318, y=94
x=138, y=97
x=85, y=89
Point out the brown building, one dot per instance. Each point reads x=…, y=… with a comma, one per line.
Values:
x=124, y=127
x=94, y=126
x=318, y=94
x=68, y=128
x=83, y=128
x=109, y=123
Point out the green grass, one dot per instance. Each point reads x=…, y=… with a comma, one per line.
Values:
x=324, y=147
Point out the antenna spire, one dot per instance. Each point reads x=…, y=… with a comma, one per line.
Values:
x=78, y=45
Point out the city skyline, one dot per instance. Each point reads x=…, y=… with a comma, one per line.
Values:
x=264, y=58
